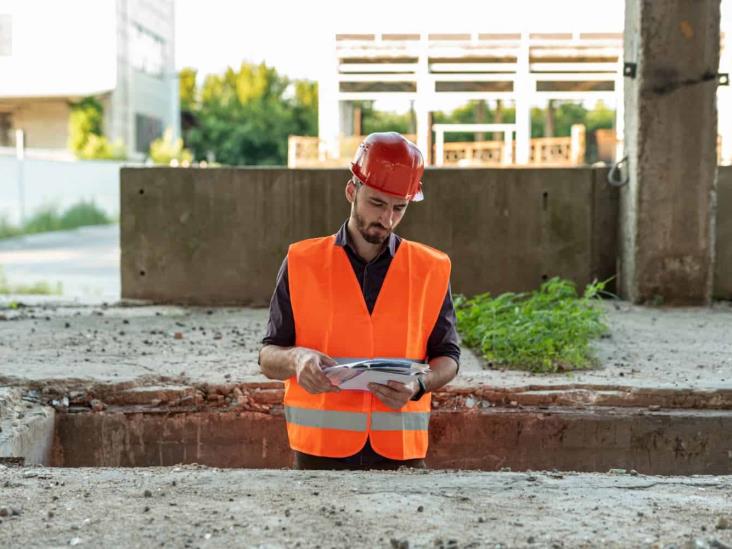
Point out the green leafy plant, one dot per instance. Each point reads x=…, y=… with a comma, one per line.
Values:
x=544, y=331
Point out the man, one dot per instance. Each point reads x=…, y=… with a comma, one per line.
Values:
x=363, y=293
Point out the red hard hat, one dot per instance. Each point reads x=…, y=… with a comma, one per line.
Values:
x=389, y=163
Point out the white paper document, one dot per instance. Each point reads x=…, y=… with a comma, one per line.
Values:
x=358, y=374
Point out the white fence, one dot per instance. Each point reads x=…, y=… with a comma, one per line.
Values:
x=32, y=183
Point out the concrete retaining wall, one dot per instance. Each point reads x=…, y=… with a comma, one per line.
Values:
x=664, y=443
x=219, y=235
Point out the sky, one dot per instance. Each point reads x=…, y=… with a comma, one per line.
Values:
x=296, y=36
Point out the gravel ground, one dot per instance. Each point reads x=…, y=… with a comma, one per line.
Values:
x=192, y=506
x=647, y=347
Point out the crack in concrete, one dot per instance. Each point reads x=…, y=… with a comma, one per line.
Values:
x=670, y=87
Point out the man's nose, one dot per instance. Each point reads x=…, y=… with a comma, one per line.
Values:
x=387, y=218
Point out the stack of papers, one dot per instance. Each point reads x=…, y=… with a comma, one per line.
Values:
x=356, y=375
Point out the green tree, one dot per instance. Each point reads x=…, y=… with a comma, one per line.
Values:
x=470, y=113
x=245, y=116
x=187, y=88
x=165, y=149
x=85, y=120
x=601, y=117
x=305, y=107
x=383, y=121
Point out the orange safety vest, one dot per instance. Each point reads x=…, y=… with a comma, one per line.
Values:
x=331, y=316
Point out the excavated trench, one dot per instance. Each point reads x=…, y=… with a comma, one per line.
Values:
x=243, y=426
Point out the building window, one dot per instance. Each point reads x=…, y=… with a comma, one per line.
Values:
x=6, y=130
x=147, y=129
x=6, y=35
x=147, y=51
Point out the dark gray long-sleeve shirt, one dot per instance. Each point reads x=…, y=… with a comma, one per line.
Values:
x=443, y=340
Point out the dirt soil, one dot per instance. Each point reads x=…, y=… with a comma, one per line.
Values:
x=193, y=506
x=146, y=345
x=64, y=346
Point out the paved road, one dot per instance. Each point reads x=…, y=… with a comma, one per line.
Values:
x=84, y=261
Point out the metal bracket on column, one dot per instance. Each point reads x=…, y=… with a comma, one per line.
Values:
x=629, y=69
x=723, y=79
x=615, y=176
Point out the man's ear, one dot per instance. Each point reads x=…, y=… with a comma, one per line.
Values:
x=351, y=191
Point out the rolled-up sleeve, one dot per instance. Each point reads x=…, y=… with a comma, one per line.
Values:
x=444, y=340
x=281, y=324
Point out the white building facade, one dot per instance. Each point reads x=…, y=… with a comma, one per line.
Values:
x=55, y=53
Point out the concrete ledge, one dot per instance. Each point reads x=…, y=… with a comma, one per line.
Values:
x=26, y=428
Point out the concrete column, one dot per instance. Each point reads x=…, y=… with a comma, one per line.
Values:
x=619, y=112
x=346, y=117
x=668, y=206
x=425, y=92
x=724, y=101
x=724, y=104
x=524, y=89
x=329, y=124
x=423, y=129
x=440, y=147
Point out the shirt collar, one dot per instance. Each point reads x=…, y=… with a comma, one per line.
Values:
x=342, y=239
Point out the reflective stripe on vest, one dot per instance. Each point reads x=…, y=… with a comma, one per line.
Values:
x=356, y=421
x=327, y=419
x=331, y=316
x=400, y=421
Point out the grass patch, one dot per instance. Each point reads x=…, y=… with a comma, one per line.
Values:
x=544, y=331
x=39, y=288
x=49, y=218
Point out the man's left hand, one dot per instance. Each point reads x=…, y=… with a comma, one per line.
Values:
x=394, y=394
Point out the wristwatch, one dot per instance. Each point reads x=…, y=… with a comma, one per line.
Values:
x=422, y=389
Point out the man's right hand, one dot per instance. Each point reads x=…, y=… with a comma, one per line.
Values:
x=309, y=366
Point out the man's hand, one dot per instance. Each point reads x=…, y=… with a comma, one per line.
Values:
x=394, y=394
x=309, y=366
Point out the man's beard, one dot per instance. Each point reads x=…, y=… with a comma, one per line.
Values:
x=363, y=228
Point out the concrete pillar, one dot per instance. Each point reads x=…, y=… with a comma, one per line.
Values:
x=619, y=112
x=329, y=124
x=724, y=104
x=346, y=117
x=423, y=129
x=668, y=206
x=577, y=144
x=724, y=101
x=425, y=92
x=440, y=147
x=524, y=89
